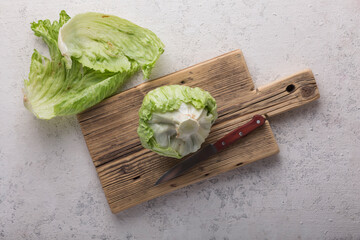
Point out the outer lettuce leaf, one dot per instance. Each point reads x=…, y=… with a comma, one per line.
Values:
x=54, y=90
x=49, y=31
x=109, y=43
x=169, y=99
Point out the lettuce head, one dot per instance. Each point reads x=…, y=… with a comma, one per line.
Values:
x=175, y=120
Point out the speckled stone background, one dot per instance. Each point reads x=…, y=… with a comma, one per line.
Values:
x=311, y=190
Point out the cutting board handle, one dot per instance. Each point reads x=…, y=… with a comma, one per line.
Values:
x=275, y=98
x=286, y=94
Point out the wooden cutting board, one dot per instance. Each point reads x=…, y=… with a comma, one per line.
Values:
x=128, y=172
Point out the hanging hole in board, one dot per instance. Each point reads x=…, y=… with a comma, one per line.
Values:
x=290, y=88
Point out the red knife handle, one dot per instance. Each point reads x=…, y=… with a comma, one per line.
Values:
x=240, y=132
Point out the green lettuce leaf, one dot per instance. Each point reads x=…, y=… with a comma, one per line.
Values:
x=109, y=43
x=55, y=90
x=175, y=120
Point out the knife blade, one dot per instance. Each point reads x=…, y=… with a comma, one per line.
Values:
x=212, y=149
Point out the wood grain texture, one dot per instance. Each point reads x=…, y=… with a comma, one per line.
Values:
x=128, y=172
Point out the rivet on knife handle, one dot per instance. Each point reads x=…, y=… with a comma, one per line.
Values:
x=240, y=132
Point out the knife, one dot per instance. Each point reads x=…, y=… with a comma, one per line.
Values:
x=211, y=149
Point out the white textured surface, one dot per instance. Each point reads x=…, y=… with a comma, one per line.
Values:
x=311, y=190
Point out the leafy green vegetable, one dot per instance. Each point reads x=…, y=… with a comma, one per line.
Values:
x=109, y=43
x=175, y=120
x=55, y=90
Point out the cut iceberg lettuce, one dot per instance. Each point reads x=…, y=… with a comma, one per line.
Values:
x=109, y=43
x=175, y=120
x=55, y=90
